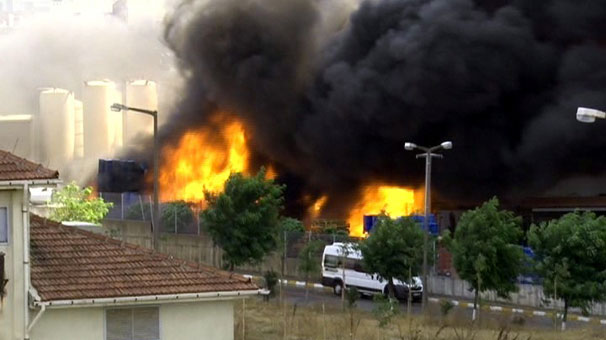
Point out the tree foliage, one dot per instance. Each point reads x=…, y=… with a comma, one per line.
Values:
x=394, y=250
x=485, y=249
x=308, y=257
x=290, y=224
x=244, y=218
x=572, y=252
x=72, y=203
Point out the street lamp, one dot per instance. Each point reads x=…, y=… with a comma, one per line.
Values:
x=156, y=213
x=586, y=115
x=428, y=154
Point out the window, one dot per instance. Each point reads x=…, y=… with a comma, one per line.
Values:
x=132, y=324
x=331, y=261
x=3, y=225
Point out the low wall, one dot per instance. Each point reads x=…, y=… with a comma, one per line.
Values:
x=198, y=248
x=527, y=295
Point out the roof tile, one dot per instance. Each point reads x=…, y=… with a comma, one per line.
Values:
x=14, y=168
x=69, y=263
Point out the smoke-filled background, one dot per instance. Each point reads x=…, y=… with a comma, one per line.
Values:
x=331, y=90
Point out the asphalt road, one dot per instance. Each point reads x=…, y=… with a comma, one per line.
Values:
x=296, y=295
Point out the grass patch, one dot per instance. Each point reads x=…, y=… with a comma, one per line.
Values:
x=273, y=321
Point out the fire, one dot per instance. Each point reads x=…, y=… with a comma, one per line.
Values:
x=394, y=201
x=203, y=160
x=316, y=208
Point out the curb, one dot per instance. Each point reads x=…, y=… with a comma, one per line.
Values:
x=525, y=312
x=294, y=283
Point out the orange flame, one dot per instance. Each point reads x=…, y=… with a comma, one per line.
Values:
x=203, y=160
x=394, y=201
x=316, y=208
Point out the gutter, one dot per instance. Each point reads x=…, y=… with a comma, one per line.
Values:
x=26, y=267
x=187, y=297
x=21, y=183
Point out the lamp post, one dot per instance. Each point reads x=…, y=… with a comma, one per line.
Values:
x=156, y=211
x=428, y=154
x=586, y=115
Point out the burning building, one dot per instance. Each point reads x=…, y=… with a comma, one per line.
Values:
x=327, y=92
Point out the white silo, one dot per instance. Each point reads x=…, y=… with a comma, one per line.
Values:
x=55, y=127
x=102, y=126
x=16, y=135
x=141, y=94
x=78, y=129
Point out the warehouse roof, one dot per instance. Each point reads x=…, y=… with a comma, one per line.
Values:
x=71, y=264
x=14, y=168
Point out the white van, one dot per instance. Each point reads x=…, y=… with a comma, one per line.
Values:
x=355, y=276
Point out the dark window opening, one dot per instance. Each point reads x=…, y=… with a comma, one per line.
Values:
x=3, y=279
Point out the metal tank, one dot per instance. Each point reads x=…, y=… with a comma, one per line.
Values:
x=142, y=94
x=55, y=127
x=78, y=129
x=102, y=127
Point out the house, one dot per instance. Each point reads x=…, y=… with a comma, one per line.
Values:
x=66, y=283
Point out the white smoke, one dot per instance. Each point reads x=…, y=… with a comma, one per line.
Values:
x=64, y=50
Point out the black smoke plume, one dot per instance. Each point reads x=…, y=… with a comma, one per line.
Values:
x=330, y=98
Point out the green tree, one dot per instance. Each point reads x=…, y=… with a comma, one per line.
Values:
x=394, y=250
x=176, y=216
x=244, y=219
x=72, y=203
x=309, y=261
x=485, y=250
x=570, y=255
x=290, y=224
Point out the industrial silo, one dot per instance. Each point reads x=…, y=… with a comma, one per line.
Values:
x=16, y=135
x=78, y=129
x=55, y=127
x=141, y=94
x=102, y=126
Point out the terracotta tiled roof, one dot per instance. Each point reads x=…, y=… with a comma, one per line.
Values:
x=14, y=168
x=69, y=264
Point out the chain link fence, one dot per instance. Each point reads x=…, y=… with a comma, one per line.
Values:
x=175, y=217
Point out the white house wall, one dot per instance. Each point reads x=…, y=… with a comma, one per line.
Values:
x=72, y=323
x=178, y=321
x=11, y=310
x=189, y=321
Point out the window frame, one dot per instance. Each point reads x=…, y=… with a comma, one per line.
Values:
x=8, y=228
x=132, y=308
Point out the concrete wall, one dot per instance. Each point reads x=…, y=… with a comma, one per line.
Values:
x=11, y=308
x=178, y=321
x=197, y=248
x=527, y=295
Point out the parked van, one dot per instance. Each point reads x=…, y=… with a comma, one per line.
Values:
x=356, y=276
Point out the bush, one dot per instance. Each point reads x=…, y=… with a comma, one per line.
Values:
x=271, y=280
